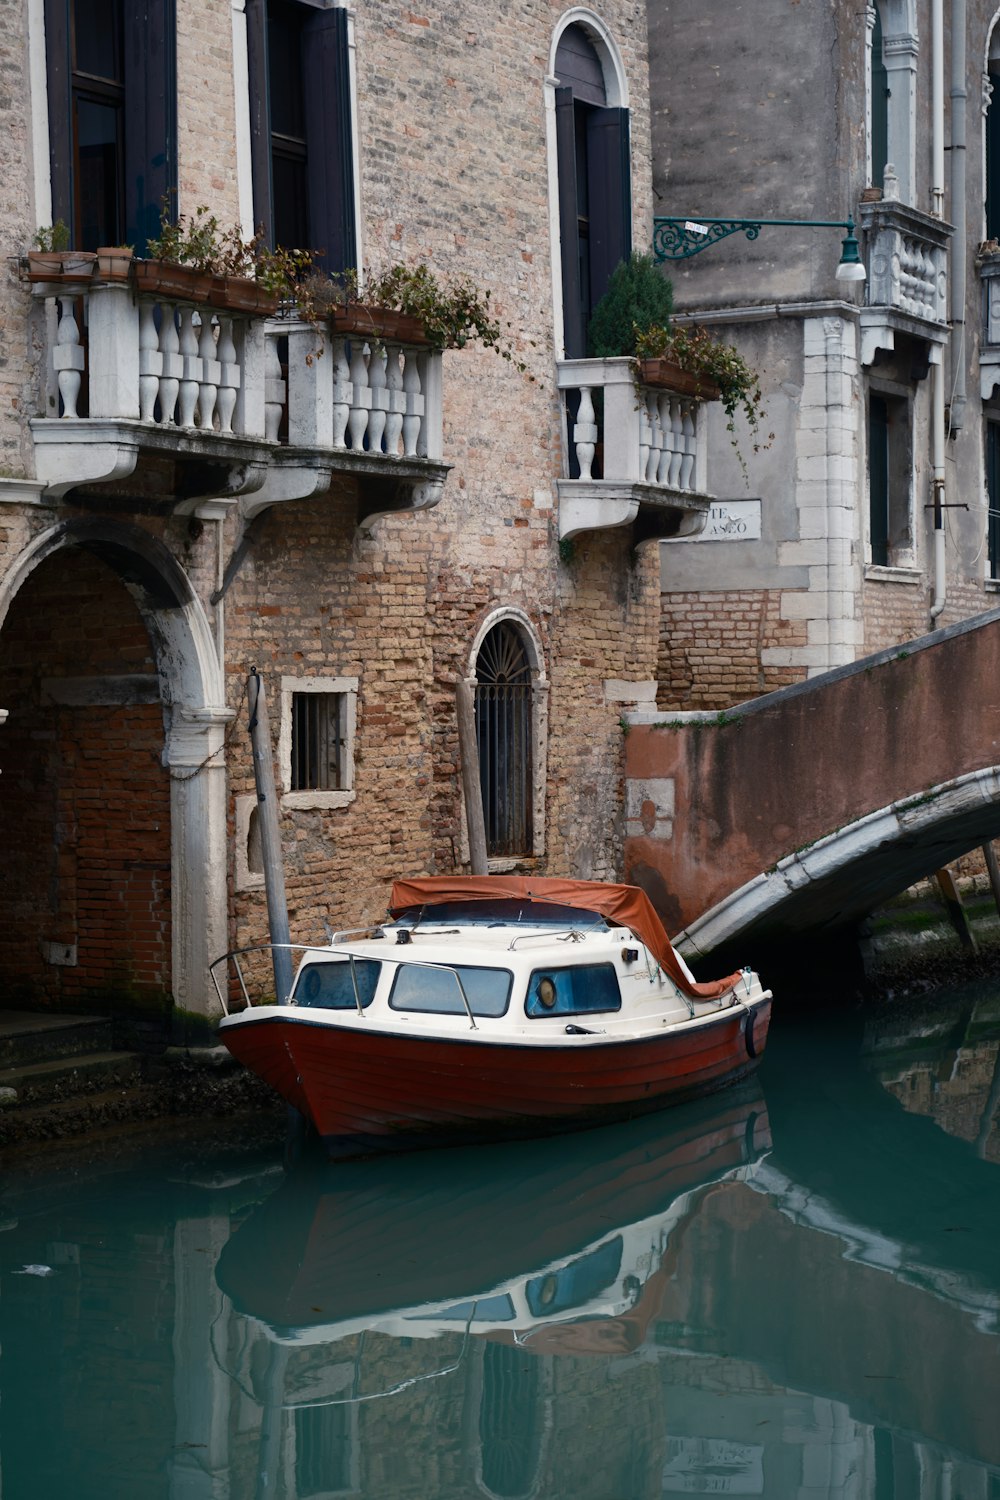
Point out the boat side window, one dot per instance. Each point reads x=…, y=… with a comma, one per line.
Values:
x=422, y=988
x=576, y=1283
x=580, y=990
x=329, y=985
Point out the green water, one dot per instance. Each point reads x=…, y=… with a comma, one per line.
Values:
x=792, y=1290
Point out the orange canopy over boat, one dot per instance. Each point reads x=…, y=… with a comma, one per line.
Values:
x=625, y=905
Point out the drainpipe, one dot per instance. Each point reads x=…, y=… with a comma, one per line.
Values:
x=937, y=208
x=958, y=252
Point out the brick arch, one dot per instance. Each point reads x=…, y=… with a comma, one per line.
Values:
x=184, y=713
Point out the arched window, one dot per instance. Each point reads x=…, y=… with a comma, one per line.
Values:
x=504, y=736
x=594, y=181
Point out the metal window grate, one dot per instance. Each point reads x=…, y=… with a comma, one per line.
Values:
x=503, y=732
x=319, y=741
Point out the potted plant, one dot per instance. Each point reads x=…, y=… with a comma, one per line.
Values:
x=408, y=305
x=114, y=262
x=50, y=260
x=195, y=259
x=691, y=361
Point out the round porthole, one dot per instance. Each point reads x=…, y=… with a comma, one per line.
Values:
x=547, y=992
x=311, y=987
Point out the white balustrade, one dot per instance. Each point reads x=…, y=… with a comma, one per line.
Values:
x=158, y=362
x=173, y=367
x=907, y=260
x=645, y=435
x=358, y=397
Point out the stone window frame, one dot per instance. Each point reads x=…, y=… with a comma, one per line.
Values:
x=539, y=730
x=901, y=507
x=617, y=96
x=900, y=51
x=317, y=800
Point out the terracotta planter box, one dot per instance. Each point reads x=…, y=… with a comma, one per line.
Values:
x=243, y=294
x=61, y=267
x=378, y=323
x=667, y=375
x=164, y=278
x=114, y=262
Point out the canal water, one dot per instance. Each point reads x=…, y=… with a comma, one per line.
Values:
x=791, y=1290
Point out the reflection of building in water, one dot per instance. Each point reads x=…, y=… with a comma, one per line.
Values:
x=951, y=1073
x=741, y=1336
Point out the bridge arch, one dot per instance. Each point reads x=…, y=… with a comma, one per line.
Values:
x=805, y=809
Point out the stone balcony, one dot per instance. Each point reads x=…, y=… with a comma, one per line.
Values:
x=185, y=405
x=636, y=454
x=906, y=254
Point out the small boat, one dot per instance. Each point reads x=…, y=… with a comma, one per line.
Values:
x=492, y=1007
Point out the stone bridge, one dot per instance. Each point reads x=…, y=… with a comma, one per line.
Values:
x=801, y=811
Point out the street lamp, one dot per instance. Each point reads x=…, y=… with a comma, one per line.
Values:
x=678, y=239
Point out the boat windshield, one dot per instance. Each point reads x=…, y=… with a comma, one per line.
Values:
x=329, y=984
x=501, y=912
x=420, y=987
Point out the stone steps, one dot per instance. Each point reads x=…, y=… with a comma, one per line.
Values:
x=27, y=1037
x=57, y=1078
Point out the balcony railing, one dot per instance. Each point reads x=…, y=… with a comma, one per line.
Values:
x=633, y=451
x=127, y=374
x=906, y=253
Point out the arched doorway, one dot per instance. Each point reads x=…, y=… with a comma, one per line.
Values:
x=113, y=889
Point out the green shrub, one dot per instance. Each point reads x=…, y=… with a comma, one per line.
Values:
x=638, y=295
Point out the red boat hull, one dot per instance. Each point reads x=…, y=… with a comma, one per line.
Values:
x=370, y=1091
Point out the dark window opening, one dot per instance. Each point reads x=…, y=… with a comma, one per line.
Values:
x=503, y=733
x=889, y=471
x=300, y=118
x=993, y=494
x=112, y=109
x=595, y=197
x=880, y=106
x=993, y=155
x=319, y=742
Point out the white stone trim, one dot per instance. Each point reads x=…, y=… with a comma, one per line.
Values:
x=900, y=51
x=193, y=693
x=241, y=124
x=346, y=687
x=616, y=89
x=39, y=95
x=245, y=879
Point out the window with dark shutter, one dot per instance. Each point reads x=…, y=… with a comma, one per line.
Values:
x=112, y=111
x=595, y=199
x=300, y=121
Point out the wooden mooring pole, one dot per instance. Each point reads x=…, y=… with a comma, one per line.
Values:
x=270, y=838
x=952, y=899
x=468, y=752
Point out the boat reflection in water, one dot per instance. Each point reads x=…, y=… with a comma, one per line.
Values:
x=553, y=1248
x=672, y=1307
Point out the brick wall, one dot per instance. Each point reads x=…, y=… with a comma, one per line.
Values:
x=711, y=644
